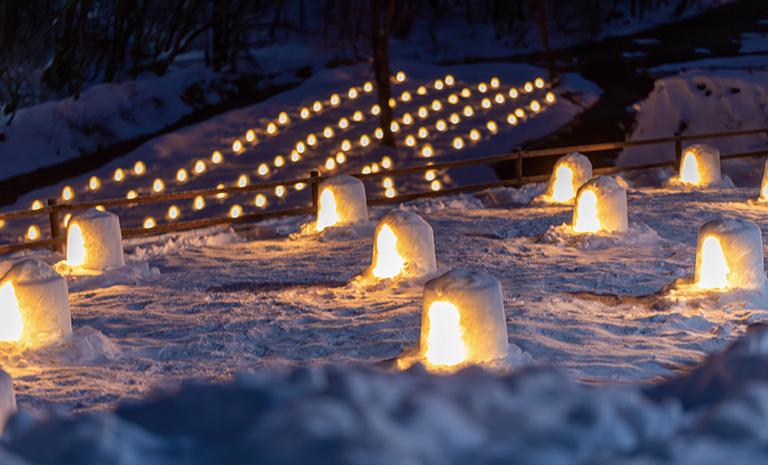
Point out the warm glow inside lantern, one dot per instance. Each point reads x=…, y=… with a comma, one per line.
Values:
x=729, y=255
x=94, y=241
x=462, y=322
x=404, y=246
x=700, y=166
x=601, y=206
x=341, y=202
x=569, y=174
x=34, y=304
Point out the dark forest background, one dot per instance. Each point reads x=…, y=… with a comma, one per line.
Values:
x=54, y=48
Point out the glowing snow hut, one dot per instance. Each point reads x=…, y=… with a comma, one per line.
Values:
x=569, y=174
x=462, y=322
x=94, y=241
x=601, y=206
x=404, y=246
x=700, y=166
x=729, y=255
x=34, y=304
x=341, y=201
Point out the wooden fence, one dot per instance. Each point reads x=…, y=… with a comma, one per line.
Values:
x=54, y=210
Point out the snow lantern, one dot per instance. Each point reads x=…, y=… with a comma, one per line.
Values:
x=764, y=186
x=569, y=174
x=341, y=201
x=462, y=320
x=34, y=304
x=700, y=166
x=94, y=241
x=404, y=245
x=601, y=206
x=729, y=255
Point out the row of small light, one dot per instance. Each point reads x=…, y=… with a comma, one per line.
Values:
x=304, y=113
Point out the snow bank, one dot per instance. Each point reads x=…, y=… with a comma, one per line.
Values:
x=696, y=102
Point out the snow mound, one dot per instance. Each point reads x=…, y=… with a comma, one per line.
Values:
x=638, y=235
x=510, y=196
x=86, y=345
x=347, y=415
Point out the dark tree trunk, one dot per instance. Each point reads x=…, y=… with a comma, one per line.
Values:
x=381, y=22
x=543, y=20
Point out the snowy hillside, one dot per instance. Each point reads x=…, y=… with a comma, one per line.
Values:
x=290, y=150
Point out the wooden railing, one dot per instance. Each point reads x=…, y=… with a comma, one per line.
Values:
x=54, y=209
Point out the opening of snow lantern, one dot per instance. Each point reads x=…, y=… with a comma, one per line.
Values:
x=601, y=206
x=389, y=263
x=700, y=166
x=764, y=185
x=11, y=323
x=94, y=241
x=444, y=344
x=462, y=322
x=341, y=202
x=404, y=246
x=570, y=173
x=729, y=255
x=34, y=304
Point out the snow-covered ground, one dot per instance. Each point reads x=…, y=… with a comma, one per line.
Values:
x=213, y=304
x=164, y=156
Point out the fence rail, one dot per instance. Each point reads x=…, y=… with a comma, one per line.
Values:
x=54, y=209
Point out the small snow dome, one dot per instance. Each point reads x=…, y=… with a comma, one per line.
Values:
x=601, y=206
x=94, y=241
x=569, y=174
x=34, y=304
x=404, y=246
x=729, y=255
x=462, y=321
x=341, y=201
x=700, y=166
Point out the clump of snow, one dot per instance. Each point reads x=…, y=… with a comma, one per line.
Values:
x=403, y=247
x=86, y=345
x=569, y=173
x=98, y=240
x=43, y=301
x=463, y=322
x=637, y=234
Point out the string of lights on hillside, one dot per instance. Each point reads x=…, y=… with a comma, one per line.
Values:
x=420, y=140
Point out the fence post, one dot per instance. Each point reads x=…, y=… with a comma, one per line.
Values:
x=678, y=149
x=315, y=175
x=53, y=220
x=519, y=168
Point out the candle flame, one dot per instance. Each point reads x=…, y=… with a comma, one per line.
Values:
x=586, y=213
x=389, y=263
x=11, y=322
x=327, y=214
x=445, y=339
x=714, y=267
